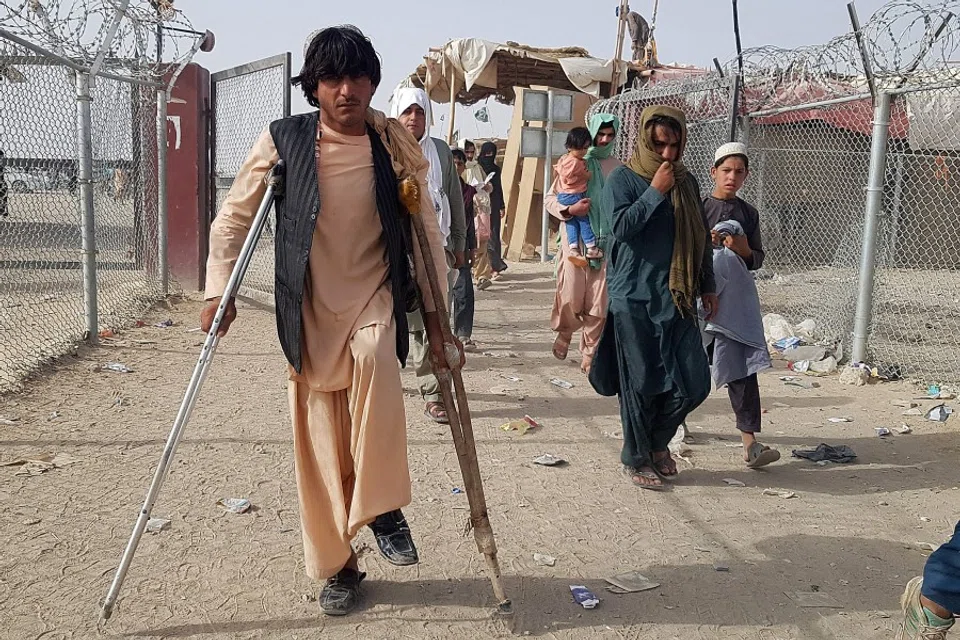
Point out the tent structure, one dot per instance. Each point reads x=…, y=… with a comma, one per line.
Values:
x=469, y=70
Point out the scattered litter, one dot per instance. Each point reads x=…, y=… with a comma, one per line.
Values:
x=523, y=426
x=808, y=354
x=630, y=582
x=164, y=324
x=156, y=525
x=924, y=519
x=680, y=448
x=722, y=568
x=235, y=505
x=53, y=416
x=548, y=460
x=883, y=432
x=793, y=381
x=502, y=391
x=786, y=344
x=905, y=404
x=777, y=328
x=826, y=366
x=117, y=367
x=854, y=376
x=9, y=422
x=935, y=392
x=563, y=384
x=616, y=435
x=456, y=491
x=904, y=429
x=583, y=596
x=544, y=560
x=786, y=495
x=800, y=366
x=826, y=453
x=807, y=329
x=139, y=324
x=813, y=600
x=107, y=333
x=36, y=465
x=506, y=354
x=926, y=546
x=839, y=420
x=194, y=330
x=510, y=378
x=733, y=483
x=939, y=413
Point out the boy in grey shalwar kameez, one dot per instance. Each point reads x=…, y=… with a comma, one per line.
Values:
x=734, y=337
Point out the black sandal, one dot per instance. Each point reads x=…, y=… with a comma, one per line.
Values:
x=394, y=539
x=341, y=593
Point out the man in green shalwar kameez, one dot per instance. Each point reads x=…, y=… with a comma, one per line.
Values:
x=659, y=262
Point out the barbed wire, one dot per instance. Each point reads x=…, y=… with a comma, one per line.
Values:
x=75, y=29
x=906, y=43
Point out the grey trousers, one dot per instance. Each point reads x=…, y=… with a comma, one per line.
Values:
x=419, y=347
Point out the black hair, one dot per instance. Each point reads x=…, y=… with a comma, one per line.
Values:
x=746, y=160
x=459, y=155
x=467, y=145
x=665, y=121
x=334, y=53
x=579, y=138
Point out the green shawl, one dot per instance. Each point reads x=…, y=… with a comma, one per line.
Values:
x=595, y=185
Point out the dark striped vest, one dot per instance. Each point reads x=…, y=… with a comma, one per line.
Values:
x=298, y=209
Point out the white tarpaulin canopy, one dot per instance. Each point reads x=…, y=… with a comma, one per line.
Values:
x=934, y=121
x=481, y=69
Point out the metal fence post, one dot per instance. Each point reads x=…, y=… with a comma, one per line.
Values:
x=871, y=223
x=85, y=180
x=547, y=180
x=162, y=190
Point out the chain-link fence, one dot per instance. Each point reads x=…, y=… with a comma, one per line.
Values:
x=246, y=99
x=810, y=120
x=80, y=245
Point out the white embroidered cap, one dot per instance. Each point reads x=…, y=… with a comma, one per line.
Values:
x=730, y=149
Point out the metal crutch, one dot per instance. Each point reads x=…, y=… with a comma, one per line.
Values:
x=461, y=425
x=274, y=186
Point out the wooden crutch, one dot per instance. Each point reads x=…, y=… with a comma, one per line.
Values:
x=461, y=426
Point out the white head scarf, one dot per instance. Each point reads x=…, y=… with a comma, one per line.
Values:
x=403, y=98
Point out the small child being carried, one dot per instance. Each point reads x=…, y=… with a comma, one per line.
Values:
x=572, y=179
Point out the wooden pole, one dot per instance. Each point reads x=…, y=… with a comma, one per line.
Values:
x=453, y=107
x=618, y=51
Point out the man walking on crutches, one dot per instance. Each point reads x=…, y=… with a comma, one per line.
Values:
x=343, y=289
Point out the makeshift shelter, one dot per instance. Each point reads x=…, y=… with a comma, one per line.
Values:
x=469, y=70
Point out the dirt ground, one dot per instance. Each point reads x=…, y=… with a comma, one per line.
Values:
x=855, y=533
